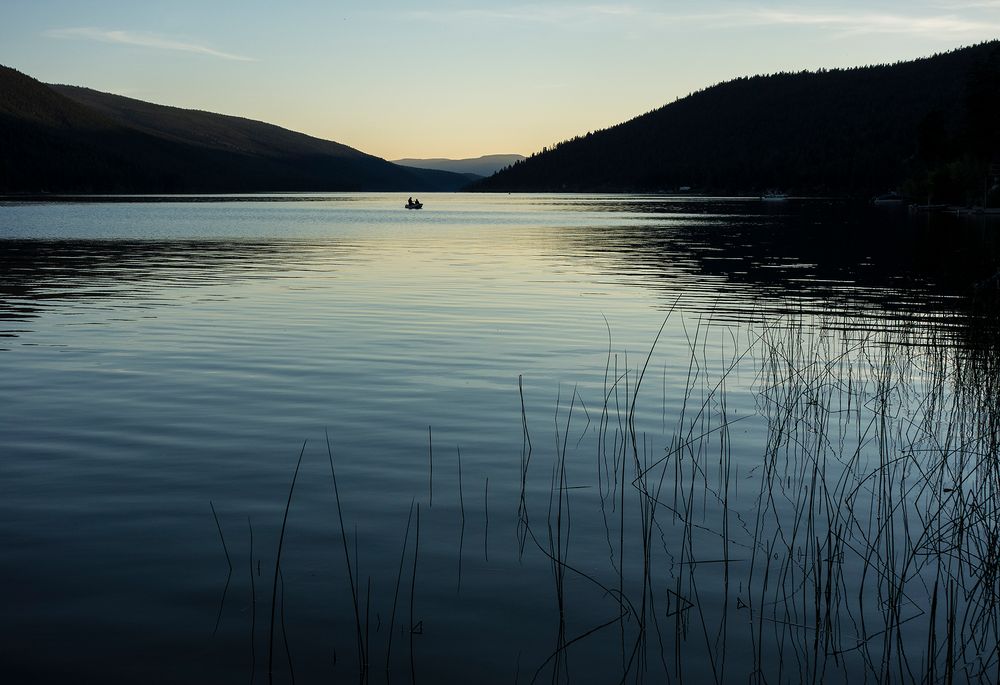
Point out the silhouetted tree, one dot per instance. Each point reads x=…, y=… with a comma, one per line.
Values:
x=982, y=104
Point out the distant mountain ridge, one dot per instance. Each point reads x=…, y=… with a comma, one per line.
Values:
x=860, y=130
x=68, y=139
x=486, y=165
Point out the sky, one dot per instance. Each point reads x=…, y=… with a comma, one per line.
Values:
x=444, y=78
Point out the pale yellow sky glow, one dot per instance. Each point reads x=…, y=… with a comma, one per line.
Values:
x=459, y=79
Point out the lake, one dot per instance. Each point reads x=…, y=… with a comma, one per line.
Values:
x=565, y=438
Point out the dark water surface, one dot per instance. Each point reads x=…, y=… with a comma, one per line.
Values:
x=158, y=358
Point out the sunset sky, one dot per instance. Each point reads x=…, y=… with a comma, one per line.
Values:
x=458, y=79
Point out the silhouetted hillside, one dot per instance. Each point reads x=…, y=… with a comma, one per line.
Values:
x=846, y=131
x=478, y=166
x=205, y=129
x=64, y=139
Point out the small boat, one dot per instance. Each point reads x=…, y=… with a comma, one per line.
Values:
x=773, y=196
x=414, y=205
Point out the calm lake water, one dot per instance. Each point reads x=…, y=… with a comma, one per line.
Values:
x=777, y=501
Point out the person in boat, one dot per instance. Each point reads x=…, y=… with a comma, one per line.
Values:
x=409, y=201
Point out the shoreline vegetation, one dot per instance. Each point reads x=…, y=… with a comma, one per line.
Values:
x=848, y=528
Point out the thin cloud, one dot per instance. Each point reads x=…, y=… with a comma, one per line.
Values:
x=143, y=39
x=948, y=24
x=552, y=14
x=970, y=5
x=854, y=23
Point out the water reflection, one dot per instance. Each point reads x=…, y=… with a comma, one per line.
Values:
x=736, y=258
x=812, y=257
x=259, y=328
x=38, y=275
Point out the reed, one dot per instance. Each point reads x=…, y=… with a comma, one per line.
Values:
x=413, y=593
x=229, y=575
x=819, y=503
x=222, y=538
x=362, y=648
x=253, y=610
x=395, y=596
x=277, y=567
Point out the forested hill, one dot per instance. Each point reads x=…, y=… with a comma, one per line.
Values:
x=487, y=165
x=64, y=139
x=860, y=130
